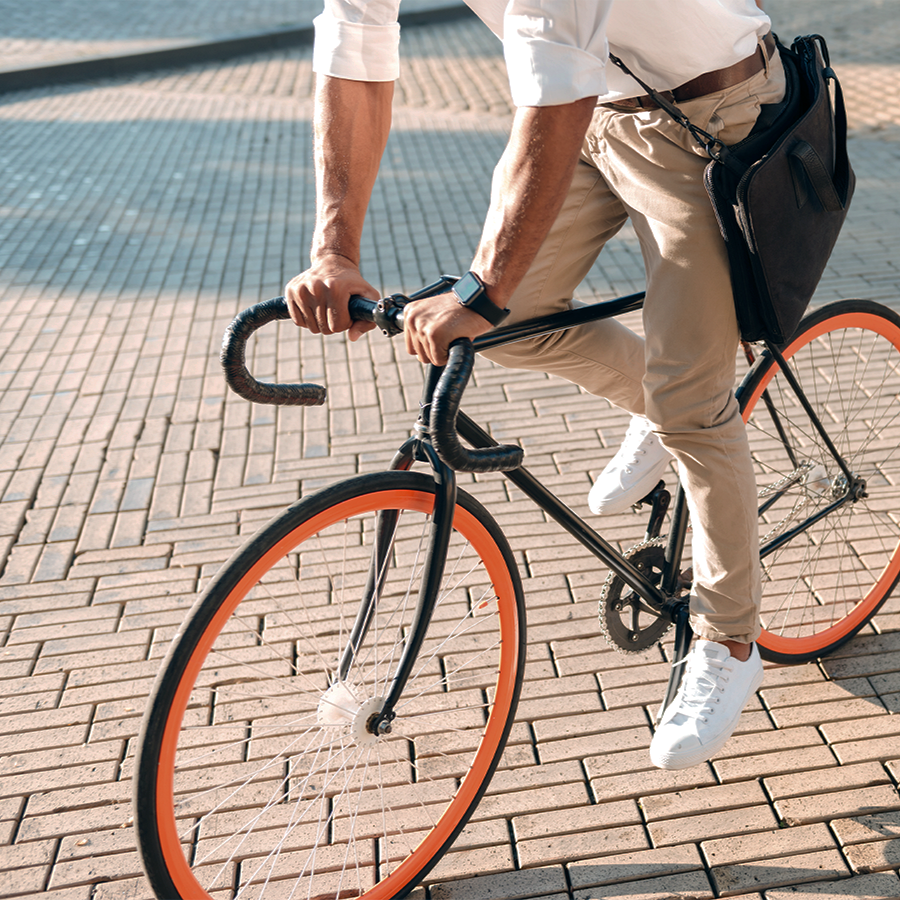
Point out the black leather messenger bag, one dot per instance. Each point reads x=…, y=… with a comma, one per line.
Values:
x=780, y=195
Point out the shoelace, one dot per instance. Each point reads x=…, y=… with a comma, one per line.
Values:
x=698, y=675
x=631, y=447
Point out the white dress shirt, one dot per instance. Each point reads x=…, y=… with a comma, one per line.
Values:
x=556, y=50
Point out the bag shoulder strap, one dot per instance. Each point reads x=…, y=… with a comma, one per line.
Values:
x=833, y=191
x=714, y=148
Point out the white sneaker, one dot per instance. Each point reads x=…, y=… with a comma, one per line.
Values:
x=707, y=707
x=632, y=473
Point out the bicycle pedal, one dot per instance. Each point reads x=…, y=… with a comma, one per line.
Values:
x=655, y=495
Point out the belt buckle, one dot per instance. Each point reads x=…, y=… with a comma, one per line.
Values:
x=640, y=104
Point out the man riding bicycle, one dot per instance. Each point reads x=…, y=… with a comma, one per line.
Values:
x=587, y=151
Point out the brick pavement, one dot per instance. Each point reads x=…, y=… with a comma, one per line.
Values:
x=139, y=215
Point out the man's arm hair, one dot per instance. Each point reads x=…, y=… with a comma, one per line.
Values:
x=352, y=120
x=530, y=184
x=351, y=125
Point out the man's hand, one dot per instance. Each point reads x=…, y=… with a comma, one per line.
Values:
x=317, y=298
x=351, y=124
x=430, y=326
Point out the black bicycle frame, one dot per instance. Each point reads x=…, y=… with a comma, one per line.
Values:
x=662, y=596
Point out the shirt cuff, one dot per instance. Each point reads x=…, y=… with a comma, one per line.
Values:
x=543, y=73
x=356, y=51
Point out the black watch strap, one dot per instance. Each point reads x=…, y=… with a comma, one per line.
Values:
x=470, y=292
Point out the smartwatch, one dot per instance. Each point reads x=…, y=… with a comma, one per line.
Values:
x=470, y=292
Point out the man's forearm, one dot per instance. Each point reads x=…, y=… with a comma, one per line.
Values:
x=532, y=181
x=352, y=122
x=530, y=186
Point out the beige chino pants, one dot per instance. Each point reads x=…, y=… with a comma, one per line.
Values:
x=645, y=167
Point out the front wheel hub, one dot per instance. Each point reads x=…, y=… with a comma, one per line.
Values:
x=339, y=709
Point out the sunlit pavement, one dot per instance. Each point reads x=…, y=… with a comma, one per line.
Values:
x=140, y=213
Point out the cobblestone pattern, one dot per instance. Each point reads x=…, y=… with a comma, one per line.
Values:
x=139, y=216
x=57, y=30
x=50, y=31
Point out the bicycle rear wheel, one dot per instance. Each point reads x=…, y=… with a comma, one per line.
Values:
x=256, y=774
x=825, y=582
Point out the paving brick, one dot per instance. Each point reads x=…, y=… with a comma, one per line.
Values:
x=634, y=866
x=702, y=827
x=123, y=889
x=860, y=750
x=23, y=882
x=824, y=865
x=17, y=661
x=816, y=693
x=92, y=869
x=679, y=804
x=40, y=739
x=862, y=887
x=116, y=721
x=94, y=622
x=839, y=732
x=58, y=779
x=823, y=807
x=607, y=742
x=123, y=565
x=767, y=844
x=866, y=828
x=689, y=884
x=528, y=883
x=22, y=856
x=596, y=722
x=531, y=801
x=103, y=803
x=560, y=822
x=861, y=775
x=875, y=856
x=819, y=713
x=43, y=758
x=564, y=848
x=530, y=776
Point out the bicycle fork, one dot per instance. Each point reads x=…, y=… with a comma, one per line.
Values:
x=416, y=448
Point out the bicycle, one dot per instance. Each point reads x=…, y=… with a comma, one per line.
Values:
x=337, y=700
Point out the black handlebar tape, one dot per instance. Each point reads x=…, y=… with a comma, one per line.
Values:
x=361, y=308
x=444, y=408
x=233, y=360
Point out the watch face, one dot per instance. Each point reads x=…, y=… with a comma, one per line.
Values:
x=467, y=288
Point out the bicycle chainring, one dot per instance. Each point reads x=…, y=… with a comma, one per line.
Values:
x=628, y=622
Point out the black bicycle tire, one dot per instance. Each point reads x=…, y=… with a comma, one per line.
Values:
x=830, y=319
x=201, y=616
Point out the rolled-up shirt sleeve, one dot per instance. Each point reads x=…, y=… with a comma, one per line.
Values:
x=555, y=51
x=358, y=40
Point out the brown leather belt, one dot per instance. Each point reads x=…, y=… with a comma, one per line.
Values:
x=708, y=83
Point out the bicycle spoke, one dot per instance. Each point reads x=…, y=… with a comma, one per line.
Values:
x=285, y=788
x=824, y=582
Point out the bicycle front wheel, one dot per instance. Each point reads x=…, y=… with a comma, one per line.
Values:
x=830, y=545
x=257, y=775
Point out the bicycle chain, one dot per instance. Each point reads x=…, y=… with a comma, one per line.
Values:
x=802, y=500
x=613, y=586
